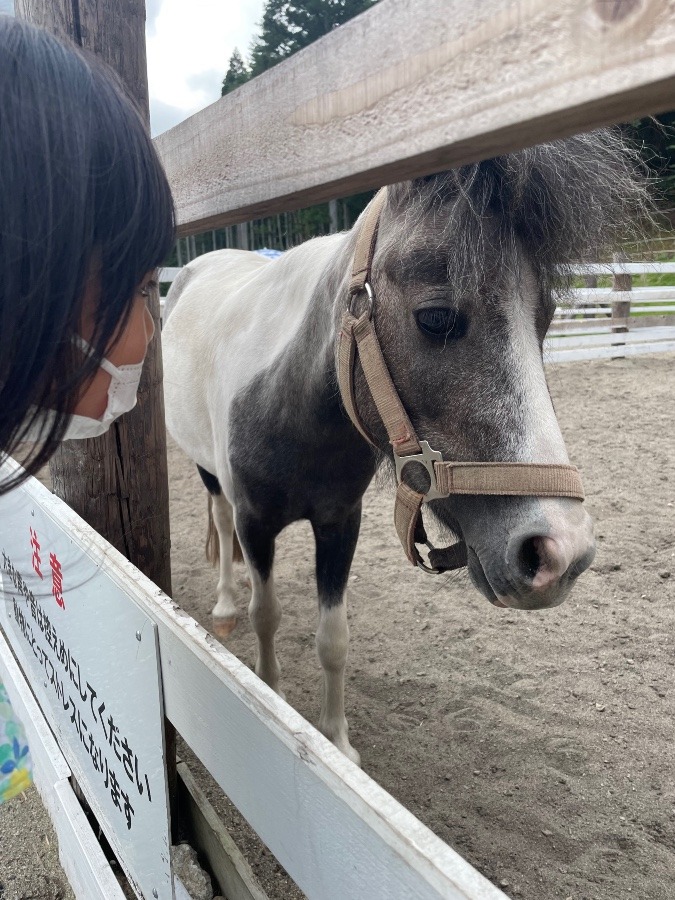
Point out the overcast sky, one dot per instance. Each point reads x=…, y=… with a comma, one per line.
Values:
x=189, y=46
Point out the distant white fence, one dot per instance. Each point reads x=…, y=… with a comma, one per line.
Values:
x=615, y=322
x=588, y=327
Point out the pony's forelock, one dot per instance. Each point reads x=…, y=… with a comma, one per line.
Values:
x=563, y=203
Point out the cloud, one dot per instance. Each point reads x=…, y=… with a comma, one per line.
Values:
x=164, y=116
x=204, y=81
x=189, y=47
x=152, y=8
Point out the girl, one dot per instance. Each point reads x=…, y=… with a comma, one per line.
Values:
x=85, y=218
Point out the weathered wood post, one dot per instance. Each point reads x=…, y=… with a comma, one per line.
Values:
x=118, y=482
x=242, y=235
x=622, y=284
x=333, y=216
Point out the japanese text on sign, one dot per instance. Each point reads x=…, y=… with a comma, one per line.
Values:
x=98, y=733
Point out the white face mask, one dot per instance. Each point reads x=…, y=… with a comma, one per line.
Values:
x=122, y=392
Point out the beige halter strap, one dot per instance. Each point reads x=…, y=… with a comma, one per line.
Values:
x=358, y=337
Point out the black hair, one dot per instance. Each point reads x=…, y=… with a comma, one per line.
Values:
x=81, y=189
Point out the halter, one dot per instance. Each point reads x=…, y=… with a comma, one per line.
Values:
x=358, y=338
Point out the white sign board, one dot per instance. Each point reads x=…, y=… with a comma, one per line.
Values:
x=91, y=655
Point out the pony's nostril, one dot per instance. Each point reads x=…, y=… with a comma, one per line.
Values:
x=528, y=558
x=541, y=562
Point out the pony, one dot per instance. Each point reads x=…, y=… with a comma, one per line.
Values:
x=463, y=279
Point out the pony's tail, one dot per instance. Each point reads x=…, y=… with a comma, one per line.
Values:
x=237, y=555
x=213, y=541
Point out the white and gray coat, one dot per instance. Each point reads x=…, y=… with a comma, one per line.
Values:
x=464, y=272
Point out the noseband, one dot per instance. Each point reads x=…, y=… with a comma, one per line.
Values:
x=358, y=338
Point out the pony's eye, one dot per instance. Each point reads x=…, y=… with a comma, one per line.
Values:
x=441, y=322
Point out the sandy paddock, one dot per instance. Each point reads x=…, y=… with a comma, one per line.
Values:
x=537, y=744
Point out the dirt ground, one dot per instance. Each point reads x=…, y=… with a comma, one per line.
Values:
x=29, y=857
x=537, y=744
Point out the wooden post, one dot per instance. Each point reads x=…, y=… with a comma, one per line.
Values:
x=119, y=482
x=333, y=216
x=622, y=283
x=242, y=236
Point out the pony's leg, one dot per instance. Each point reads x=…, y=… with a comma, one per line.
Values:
x=219, y=547
x=224, y=614
x=335, y=545
x=264, y=610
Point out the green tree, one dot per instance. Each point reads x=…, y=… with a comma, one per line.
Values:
x=237, y=73
x=289, y=25
x=656, y=136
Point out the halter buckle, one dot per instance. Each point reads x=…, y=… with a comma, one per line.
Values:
x=426, y=458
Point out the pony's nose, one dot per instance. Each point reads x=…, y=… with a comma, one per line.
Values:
x=542, y=563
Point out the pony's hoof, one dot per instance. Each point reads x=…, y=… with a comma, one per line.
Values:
x=352, y=754
x=340, y=740
x=223, y=626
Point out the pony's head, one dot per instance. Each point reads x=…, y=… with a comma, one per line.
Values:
x=466, y=271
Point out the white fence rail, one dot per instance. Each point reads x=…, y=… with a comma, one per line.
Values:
x=336, y=832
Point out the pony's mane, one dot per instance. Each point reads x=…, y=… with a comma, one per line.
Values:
x=564, y=202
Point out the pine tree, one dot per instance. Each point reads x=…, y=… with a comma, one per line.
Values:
x=656, y=137
x=237, y=73
x=290, y=25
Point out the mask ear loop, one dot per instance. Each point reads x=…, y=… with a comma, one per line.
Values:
x=83, y=345
x=120, y=372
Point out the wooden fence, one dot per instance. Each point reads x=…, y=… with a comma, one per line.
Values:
x=403, y=90
x=617, y=321
x=336, y=832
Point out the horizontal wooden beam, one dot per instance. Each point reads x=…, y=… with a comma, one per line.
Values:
x=626, y=268
x=407, y=89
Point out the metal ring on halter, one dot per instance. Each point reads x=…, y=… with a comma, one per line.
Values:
x=424, y=567
x=371, y=297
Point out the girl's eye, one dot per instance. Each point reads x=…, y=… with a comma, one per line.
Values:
x=146, y=289
x=441, y=322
